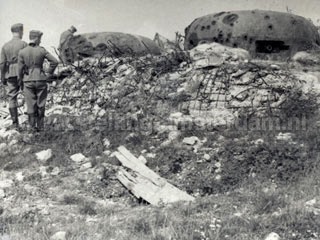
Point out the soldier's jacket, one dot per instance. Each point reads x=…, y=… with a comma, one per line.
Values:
x=9, y=57
x=30, y=63
x=64, y=38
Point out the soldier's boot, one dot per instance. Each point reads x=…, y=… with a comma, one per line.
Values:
x=32, y=119
x=40, y=120
x=15, y=118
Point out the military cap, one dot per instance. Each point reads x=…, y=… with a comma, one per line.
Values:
x=17, y=27
x=73, y=28
x=35, y=34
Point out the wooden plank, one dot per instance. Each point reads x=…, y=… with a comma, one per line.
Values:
x=146, y=184
x=137, y=166
x=153, y=194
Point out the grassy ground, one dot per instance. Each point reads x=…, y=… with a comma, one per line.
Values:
x=250, y=212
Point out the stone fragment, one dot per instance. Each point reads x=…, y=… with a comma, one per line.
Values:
x=44, y=155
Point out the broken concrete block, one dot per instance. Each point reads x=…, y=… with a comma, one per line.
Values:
x=78, y=158
x=44, y=155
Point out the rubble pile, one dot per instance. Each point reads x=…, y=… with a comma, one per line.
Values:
x=210, y=83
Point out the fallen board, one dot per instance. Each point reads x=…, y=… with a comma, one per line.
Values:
x=146, y=184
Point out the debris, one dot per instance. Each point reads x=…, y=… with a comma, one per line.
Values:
x=86, y=166
x=61, y=235
x=106, y=143
x=19, y=176
x=44, y=155
x=284, y=137
x=191, y=140
x=272, y=236
x=146, y=184
x=215, y=54
x=78, y=158
x=2, y=193
x=6, y=183
x=206, y=157
x=55, y=171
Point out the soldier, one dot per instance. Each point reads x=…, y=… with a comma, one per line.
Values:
x=9, y=70
x=64, y=42
x=30, y=64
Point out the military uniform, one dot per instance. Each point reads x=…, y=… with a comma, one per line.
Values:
x=9, y=70
x=64, y=42
x=30, y=62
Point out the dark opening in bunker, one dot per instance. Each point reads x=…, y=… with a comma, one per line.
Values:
x=263, y=46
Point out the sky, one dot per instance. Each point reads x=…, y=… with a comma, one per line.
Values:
x=142, y=17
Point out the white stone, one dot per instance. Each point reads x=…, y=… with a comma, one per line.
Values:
x=43, y=171
x=19, y=176
x=107, y=152
x=311, y=202
x=6, y=183
x=55, y=171
x=44, y=155
x=2, y=194
x=106, y=143
x=86, y=166
x=151, y=155
x=3, y=147
x=273, y=236
x=13, y=142
x=59, y=236
x=191, y=140
x=78, y=158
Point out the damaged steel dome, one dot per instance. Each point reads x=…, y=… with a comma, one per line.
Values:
x=265, y=34
x=109, y=44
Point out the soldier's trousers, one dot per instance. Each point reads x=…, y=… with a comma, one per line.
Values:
x=13, y=91
x=35, y=94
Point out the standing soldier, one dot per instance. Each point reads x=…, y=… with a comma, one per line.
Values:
x=9, y=70
x=64, y=42
x=31, y=71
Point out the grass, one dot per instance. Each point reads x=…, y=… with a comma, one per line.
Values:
x=250, y=212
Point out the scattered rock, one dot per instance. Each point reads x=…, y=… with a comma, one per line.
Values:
x=86, y=166
x=19, y=176
x=59, y=236
x=43, y=171
x=273, y=236
x=191, y=140
x=107, y=152
x=55, y=171
x=206, y=157
x=2, y=193
x=44, y=155
x=3, y=147
x=106, y=143
x=78, y=158
x=6, y=183
x=284, y=137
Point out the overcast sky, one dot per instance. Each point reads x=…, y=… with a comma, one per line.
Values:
x=143, y=17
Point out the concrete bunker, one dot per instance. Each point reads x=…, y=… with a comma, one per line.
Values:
x=109, y=44
x=265, y=34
